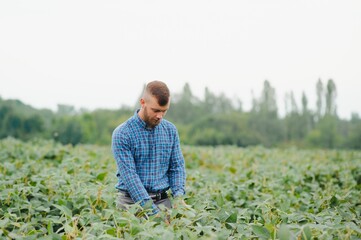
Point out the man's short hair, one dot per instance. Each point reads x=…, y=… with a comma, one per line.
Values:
x=159, y=90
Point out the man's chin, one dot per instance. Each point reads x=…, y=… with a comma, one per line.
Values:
x=156, y=123
x=153, y=124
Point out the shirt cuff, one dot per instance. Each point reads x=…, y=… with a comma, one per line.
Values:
x=149, y=204
x=178, y=193
x=155, y=209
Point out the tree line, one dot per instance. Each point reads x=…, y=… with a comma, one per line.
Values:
x=213, y=120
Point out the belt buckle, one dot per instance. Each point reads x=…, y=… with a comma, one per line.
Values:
x=158, y=196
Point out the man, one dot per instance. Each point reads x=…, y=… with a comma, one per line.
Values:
x=148, y=155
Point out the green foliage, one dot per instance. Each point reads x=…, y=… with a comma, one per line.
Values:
x=68, y=130
x=17, y=125
x=325, y=133
x=215, y=120
x=226, y=129
x=54, y=191
x=353, y=139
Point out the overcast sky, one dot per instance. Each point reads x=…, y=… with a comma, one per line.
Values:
x=99, y=54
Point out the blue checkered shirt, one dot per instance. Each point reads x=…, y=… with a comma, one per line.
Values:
x=148, y=160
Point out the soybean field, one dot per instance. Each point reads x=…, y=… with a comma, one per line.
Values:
x=54, y=191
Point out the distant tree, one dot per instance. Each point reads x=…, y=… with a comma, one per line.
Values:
x=223, y=104
x=331, y=98
x=353, y=137
x=238, y=105
x=307, y=118
x=64, y=110
x=319, y=102
x=210, y=100
x=223, y=129
x=89, y=128
x=294, y=106
x=286, y=103
x=304, y=103
x=264, y=119
x=268, y=101
x=213, y=121
x=294, y=124
x=325, y=133
x=185, y=107
x=4, y=111
x=68, y=130
x=255, y=105
x=14, y=124
x=297, y=122
x=33, y=126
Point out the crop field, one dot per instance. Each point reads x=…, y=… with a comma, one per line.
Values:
x=53, y=191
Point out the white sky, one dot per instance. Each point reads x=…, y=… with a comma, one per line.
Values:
x=96, y=54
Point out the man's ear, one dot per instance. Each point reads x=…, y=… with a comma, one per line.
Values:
x=142, y=102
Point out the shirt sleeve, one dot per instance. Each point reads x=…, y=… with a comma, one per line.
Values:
x=127, y=170
x=177, y=174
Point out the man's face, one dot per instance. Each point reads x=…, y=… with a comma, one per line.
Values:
x=153, y=112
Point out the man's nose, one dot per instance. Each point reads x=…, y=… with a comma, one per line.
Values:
x=160, y=115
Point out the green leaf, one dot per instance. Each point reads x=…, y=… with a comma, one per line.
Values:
x=284, y=232
x=222, y=215
x=334, y=201
x=68, y=228
x=219, y=200
x=134, y=230
x=14, y=235
x=4, y=222
x=101, y=176
x=232, y=218
x=122, y=222
x=306, y=233
x=261, y=231
x=66, y=211
x=50, y=228
x=354, y=227
x=42, y=209
x=112, y=232
x=54, y=236
x=233, y=170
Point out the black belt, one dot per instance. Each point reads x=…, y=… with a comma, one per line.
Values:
x=155, y=196
x=158, y=196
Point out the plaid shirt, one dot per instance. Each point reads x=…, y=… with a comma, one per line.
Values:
x=148, y=160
